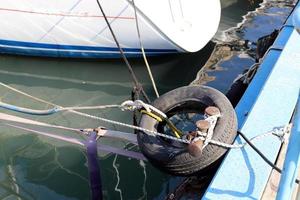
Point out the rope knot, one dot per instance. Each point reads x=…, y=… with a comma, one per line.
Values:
x=282, y=133
x=134, y=105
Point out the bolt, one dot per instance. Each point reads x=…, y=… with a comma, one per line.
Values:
x=212, y=110
x=203, y=125
x=195, y=148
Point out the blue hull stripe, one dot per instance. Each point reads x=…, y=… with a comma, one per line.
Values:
x=57, y=50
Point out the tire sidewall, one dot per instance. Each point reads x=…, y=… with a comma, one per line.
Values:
x=178, y=161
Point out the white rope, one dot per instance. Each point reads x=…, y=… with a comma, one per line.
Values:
x=279, y=132
x=250, y=73
x=88, y=107
x=100, y=118
x=134, y=127
x=138, y=104
x=213, y=122
x=248, y=76
x=143, y=51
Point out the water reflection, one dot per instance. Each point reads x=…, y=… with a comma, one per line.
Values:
x=47, y=165
x=233, y=12
x=39, y=168
x=237, y=52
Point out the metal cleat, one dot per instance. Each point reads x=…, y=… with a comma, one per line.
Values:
x=203, y=125
x=196, y=145
x=212, y=110
x=195, y=148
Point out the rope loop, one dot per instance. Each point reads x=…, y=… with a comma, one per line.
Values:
x=139, y=104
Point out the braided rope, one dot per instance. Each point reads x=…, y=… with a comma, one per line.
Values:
x=130, y=105
x=280, y=132
x=143, y=50
x=124, y=105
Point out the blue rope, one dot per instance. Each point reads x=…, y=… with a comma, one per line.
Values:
x=29, y=111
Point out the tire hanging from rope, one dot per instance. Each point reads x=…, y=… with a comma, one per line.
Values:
x=173, y=158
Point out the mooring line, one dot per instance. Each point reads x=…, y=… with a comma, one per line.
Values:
x=100, y=118
x=135, y=80
x=143, y=51
x=279, y=132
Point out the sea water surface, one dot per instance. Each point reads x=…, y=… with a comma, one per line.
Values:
x=33, y=167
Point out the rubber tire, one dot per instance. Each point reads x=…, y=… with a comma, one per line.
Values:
x=177, y=161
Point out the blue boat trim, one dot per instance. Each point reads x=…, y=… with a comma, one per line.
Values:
x=58, y=50
x=268, y=103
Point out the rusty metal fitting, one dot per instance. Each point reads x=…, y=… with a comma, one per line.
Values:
x=101, y=132
x=212, y=110
x=203, y=125
x=191, y=135
x=87, y=130
x=195, y=148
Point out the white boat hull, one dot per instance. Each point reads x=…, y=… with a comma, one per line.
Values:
x=76, y=28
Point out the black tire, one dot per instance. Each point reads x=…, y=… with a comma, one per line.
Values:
x=175, y=159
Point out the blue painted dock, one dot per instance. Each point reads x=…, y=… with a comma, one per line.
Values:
x=269, y=102
x=292, y=159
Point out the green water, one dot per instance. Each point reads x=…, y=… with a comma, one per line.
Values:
x=34, y=167
x=53, y=170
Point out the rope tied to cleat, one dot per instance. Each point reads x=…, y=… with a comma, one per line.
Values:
x=280, y=132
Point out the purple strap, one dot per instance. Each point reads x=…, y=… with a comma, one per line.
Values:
x=93, y=167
